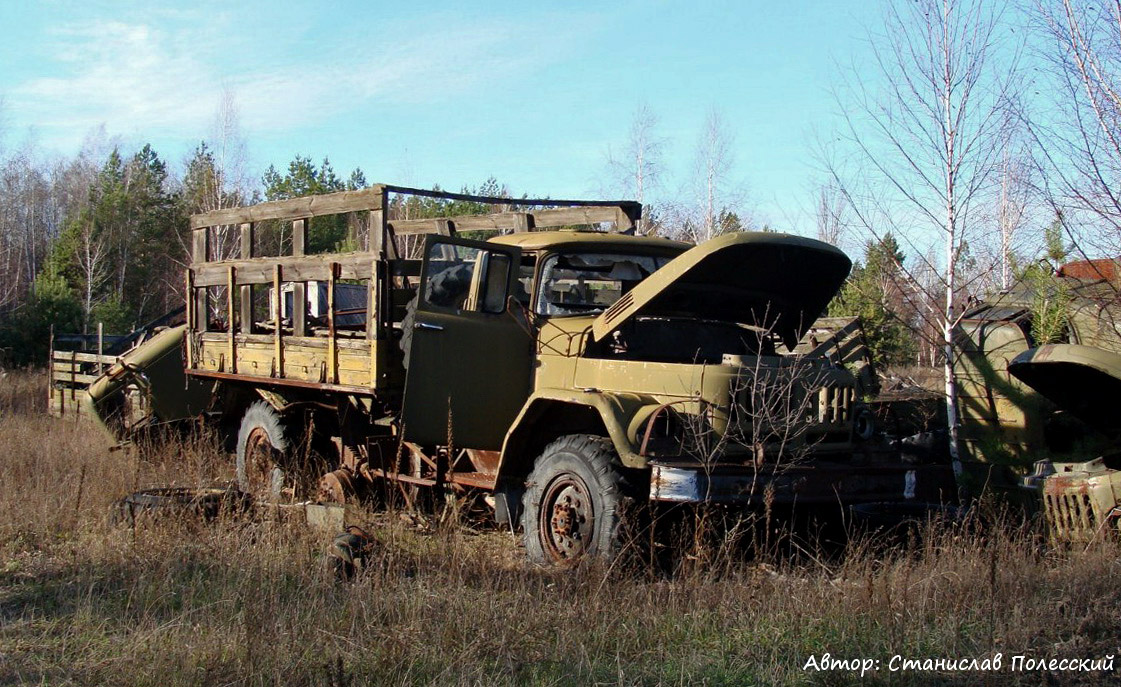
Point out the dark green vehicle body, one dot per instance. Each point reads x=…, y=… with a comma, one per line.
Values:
x=1005, y=423
x=147, y=385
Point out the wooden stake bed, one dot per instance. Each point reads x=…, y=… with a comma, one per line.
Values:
x=69, y=374
x=326, y=349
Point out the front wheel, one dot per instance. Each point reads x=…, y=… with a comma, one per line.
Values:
x=575, y=502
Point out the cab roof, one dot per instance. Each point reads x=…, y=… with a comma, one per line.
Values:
x=539, y=240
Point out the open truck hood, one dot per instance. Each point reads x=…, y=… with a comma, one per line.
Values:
x=775, y=281
x=1083, y=380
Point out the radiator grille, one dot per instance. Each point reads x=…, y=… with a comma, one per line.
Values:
x=834, y=404
x=1070, y=513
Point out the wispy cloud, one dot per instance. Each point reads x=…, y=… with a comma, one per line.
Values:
x=165, y=76
x=123, y=74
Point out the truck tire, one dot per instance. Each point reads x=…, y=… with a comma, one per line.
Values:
x=441, y=287
x=575, y=501
x=262, y=445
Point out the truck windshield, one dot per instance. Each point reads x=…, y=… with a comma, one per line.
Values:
x=583, y=283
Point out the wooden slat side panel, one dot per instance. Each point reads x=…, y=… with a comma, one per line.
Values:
x=306, y=268
x=67, y=356
x=246, y=291
x=559, y=217
x=62, y=405
x=231, y=313
x=78, y=379
x=307, y=206
x=333, y=348
x=246, y=233
x=356, y=343
x=518, y=221
x=299, y=288
x=524, y=221
x=62, y=369
x=278, y=333
x=317, y=344
x=302, y=361
x=200, y=245
x=299, y=237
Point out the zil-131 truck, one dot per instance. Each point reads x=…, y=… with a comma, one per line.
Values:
x=565, y=367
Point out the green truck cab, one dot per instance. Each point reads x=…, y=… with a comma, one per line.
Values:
x=1038, y=365
x=1081, y=498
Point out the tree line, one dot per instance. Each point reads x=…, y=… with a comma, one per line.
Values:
x=105, y=241
x=104, y=238
x=979, y=140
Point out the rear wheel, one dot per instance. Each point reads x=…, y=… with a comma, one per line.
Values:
x=575, y=502
x=262, y=448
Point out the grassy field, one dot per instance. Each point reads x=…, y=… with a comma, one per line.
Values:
x=249, y=601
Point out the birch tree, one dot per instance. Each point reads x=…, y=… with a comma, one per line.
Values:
x=636, y=169
x=32, y=205
x=712, y=167
x=829, y=214
x=1079, y=135
x=92, y=259
x=216, y=176
x=924, y=126
x=1014, y=181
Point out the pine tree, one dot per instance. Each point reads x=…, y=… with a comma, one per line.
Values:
x=303, y=178
x=872, y=293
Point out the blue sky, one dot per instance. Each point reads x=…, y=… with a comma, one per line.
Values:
x=443, y=93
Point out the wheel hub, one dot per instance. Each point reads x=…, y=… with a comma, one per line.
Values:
x=260, y=460
x=566, y=522
x=338, y=486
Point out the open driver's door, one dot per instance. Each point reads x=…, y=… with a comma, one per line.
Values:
x=470, y=360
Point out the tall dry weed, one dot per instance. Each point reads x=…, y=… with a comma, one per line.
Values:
x=248, y=600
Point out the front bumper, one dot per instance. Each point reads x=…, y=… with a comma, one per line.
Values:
x=816, y=483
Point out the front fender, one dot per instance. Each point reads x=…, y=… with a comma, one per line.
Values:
x=548, y=411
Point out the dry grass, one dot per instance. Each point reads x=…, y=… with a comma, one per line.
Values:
x=249, y=601
x=922, y=376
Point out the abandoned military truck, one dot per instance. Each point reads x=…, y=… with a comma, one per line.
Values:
x=564, y=367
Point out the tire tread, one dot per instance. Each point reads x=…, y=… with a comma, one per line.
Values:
x=611, y=485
